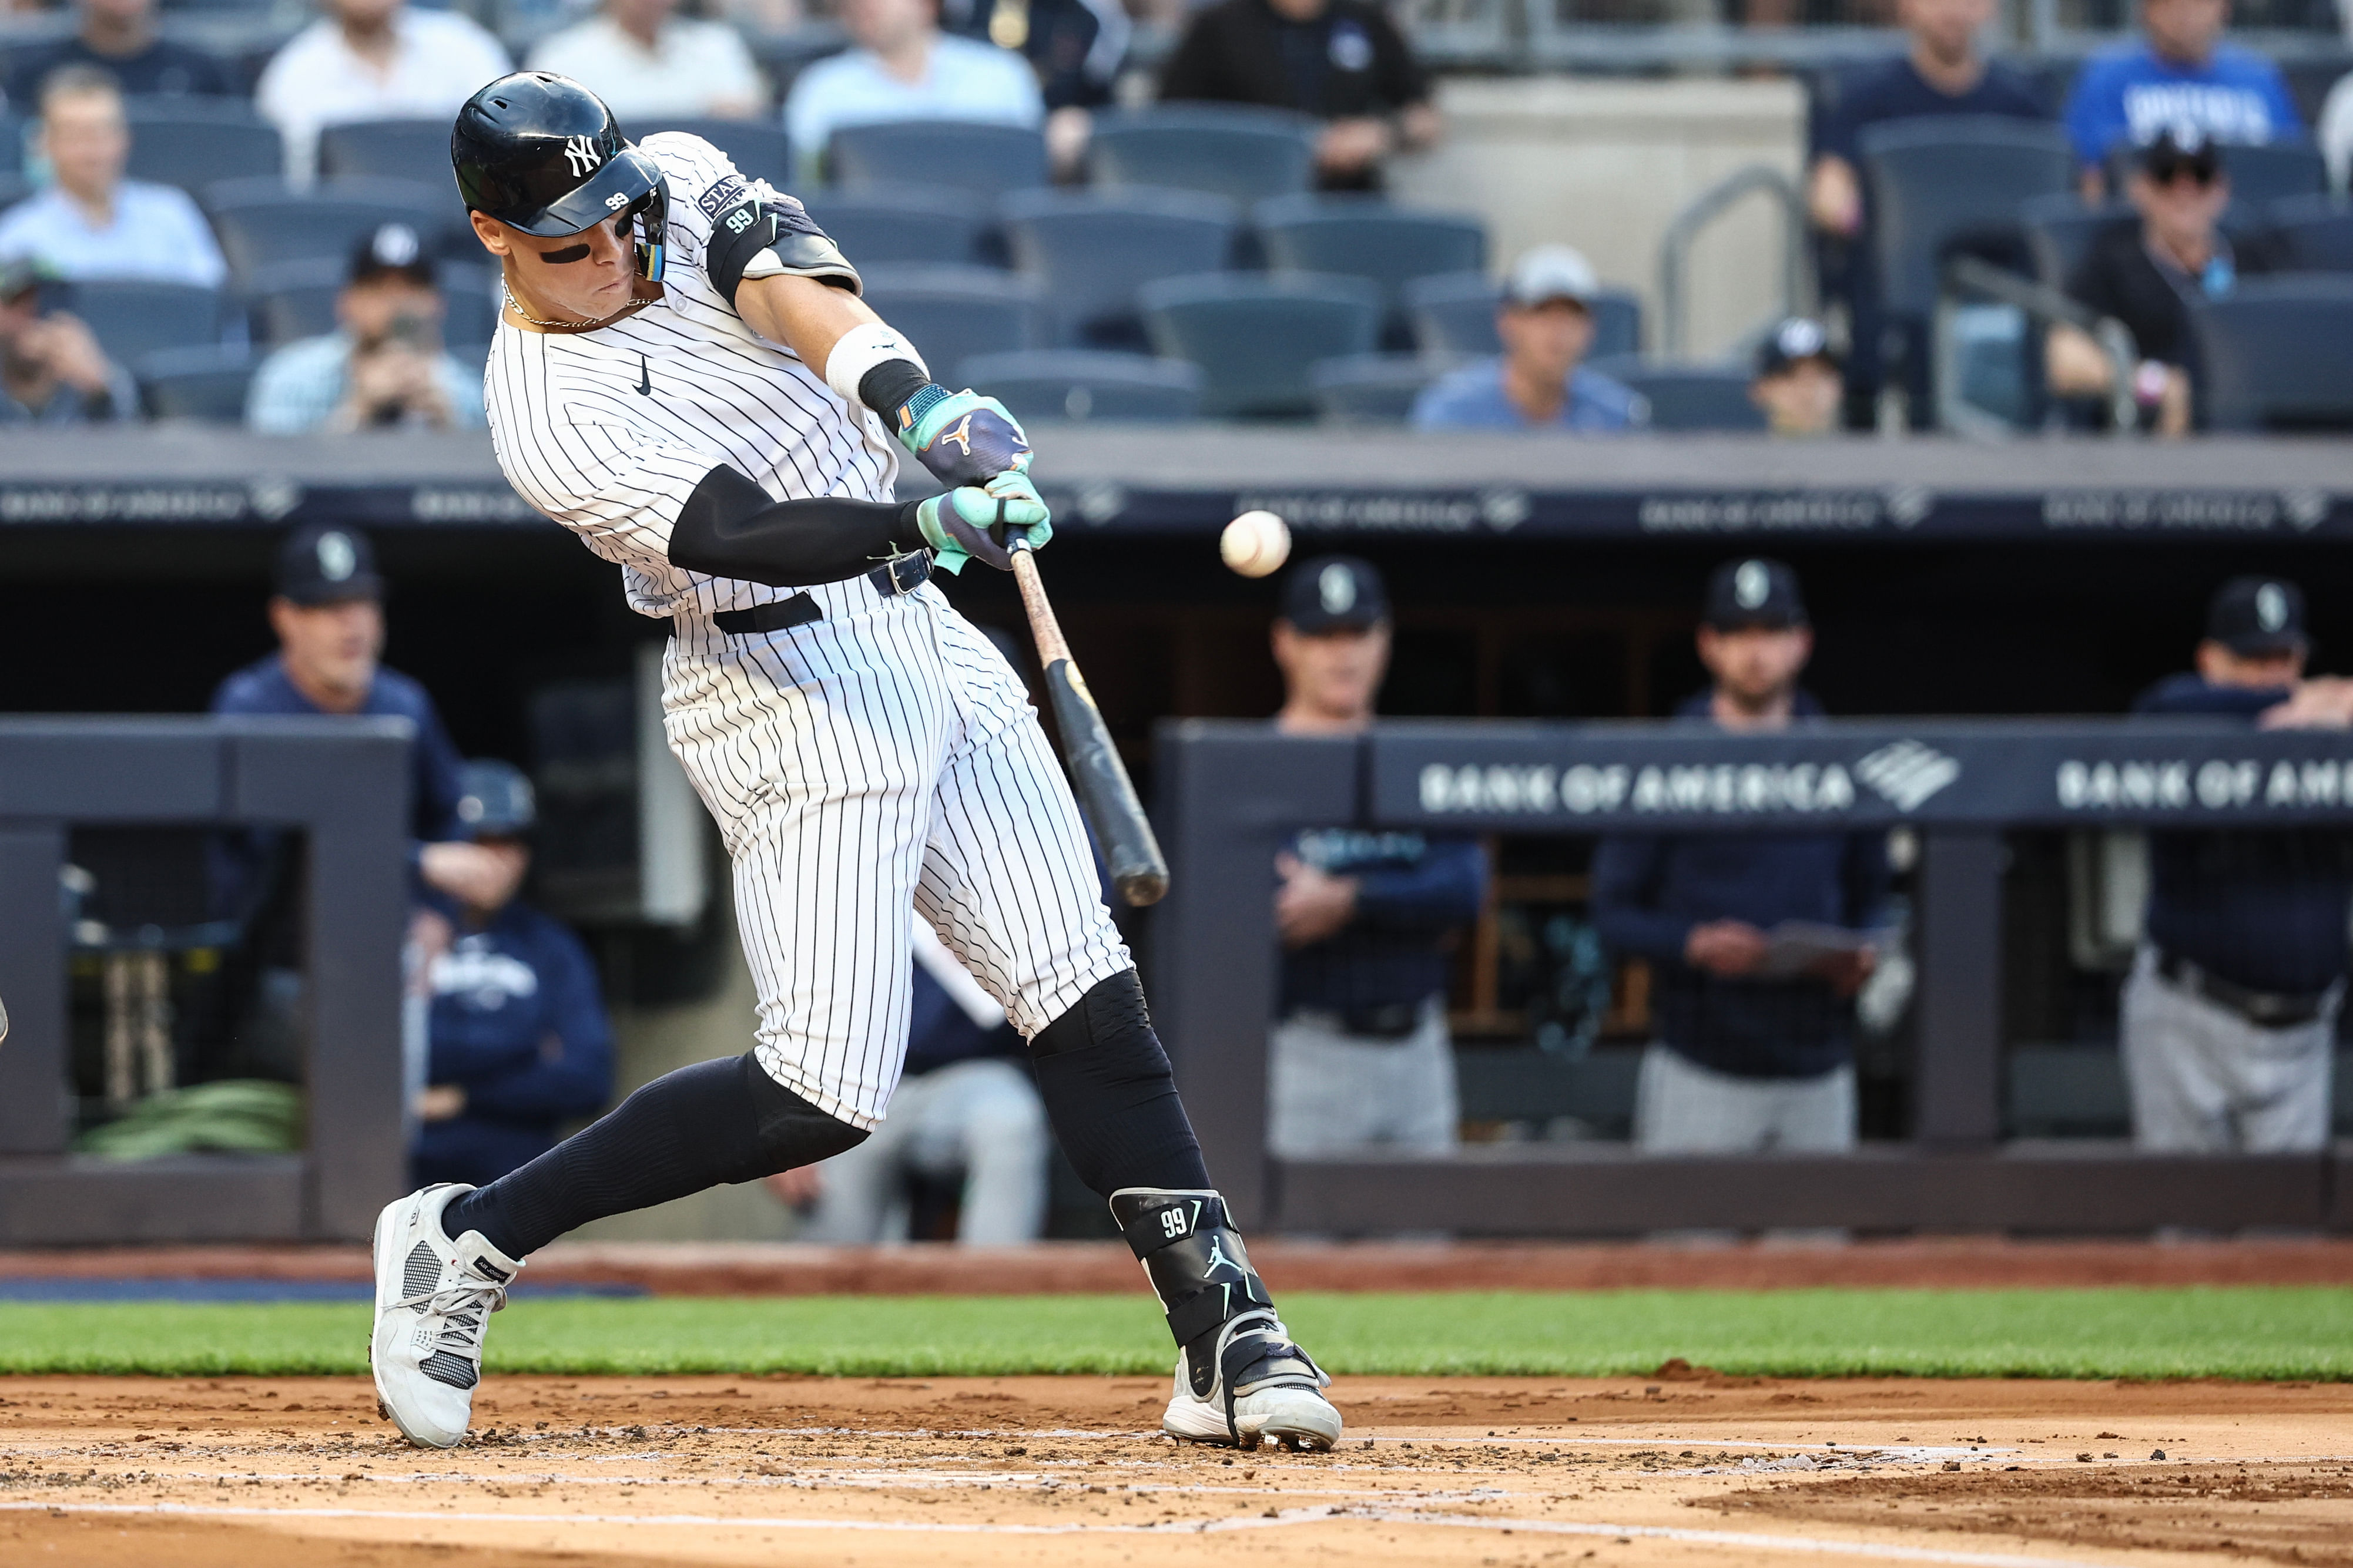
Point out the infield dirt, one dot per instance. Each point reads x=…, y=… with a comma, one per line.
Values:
x=1680, y=1468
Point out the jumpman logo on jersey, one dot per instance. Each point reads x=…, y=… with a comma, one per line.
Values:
x=961, y=435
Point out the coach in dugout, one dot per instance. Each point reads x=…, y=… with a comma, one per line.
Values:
x=1360, y=1055
x=1744, y=1062
x=519, y=1042
x=2230, y=1017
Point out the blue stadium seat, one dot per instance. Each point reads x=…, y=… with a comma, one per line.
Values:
x=14, y=188
x=11, y=143
x=2273, y=352
x=756, y=148
x=1226, y=150
x=1941, y=181
x=984, y=160
x=1092, y=252
x=132, y=319
x=1688, y=396
x=954, y=313
x=293, y=300
x=2274, y=173
x=920, y=224
x=1047, y=384
x=1255, y=337
x=262, y=221
x=1455, y=314
x=2060, y=228
x=405, y=149
x=207, y=383
x=193, y=142
x=2317, y=233
x=1372, y=389
x=1359, y=236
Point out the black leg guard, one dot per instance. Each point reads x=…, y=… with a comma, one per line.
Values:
x=715, y=1122
x=1109, y=1096
x=1204, y=1278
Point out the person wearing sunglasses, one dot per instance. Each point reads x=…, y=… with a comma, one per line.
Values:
x=2147, y=271
x=2180, y=70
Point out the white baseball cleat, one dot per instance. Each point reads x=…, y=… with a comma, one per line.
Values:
x=1266, y=1389
x=433, y=1298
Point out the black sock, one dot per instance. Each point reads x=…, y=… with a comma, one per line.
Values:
x=1109, y=1096
x=715, y=1122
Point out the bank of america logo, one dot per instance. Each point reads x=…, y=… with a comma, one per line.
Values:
x=1907, y=772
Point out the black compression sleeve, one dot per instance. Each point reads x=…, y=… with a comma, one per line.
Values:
x=891, y=386
x=730, y=528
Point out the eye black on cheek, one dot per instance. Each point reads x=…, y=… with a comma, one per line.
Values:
x=569, y=253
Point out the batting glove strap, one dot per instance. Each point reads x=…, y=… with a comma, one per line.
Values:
x=1213, y=1306
x=1162, y=1219
x=962, y=437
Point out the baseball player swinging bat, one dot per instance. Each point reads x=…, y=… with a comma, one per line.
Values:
x=1137, y=867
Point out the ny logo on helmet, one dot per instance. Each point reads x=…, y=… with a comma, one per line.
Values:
x=581, y=153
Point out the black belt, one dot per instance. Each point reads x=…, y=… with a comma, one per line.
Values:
x=2264, y=1009
x=1389, y=1021
x=900, y=574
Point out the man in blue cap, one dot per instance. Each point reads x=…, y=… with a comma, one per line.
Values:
x=519, y=1039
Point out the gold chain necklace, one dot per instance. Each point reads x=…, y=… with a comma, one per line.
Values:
x=516, y=305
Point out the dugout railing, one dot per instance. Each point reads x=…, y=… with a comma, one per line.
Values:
x=1228, y=793
x=342, y=785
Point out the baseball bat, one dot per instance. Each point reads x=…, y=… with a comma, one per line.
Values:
x=1138, y=869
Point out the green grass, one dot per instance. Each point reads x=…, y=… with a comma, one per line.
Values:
x=2282, y=1333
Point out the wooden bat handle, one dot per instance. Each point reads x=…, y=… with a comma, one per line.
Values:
x=1043, y=626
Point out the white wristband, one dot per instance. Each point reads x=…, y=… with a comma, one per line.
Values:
x=861, y=350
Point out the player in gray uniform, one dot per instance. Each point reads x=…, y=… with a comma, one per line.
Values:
x=684, y=375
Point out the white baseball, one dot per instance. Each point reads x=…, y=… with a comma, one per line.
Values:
x=1255, y=543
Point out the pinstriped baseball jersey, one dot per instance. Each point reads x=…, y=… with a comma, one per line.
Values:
x=876, y=764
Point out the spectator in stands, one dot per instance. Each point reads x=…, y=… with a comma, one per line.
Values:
x=92, y=223
x=1361, y=1054
x=371, y=59
x=648, y=63
x=1539, y=381
x=2229, y=1020
x=1755, y=1047
x=1944, y=73
x=328, y=614
x=904, y=67
x=1075, y=46
x=2145, y=273
x=1343, y=62
x=2178, y=73
x=383, y=365
x=52, y=371
x=965, y=1107
x=517, y=1034
x=118, y=37
x=1798, y=383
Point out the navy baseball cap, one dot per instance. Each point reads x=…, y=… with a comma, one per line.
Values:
x=2257, y=616
x=1796, y=339
x=1753, y=592
x=495, y=800
x=391, y=248
x=326, y=564
x=1335, y=593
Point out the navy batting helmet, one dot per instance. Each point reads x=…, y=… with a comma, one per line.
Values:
x=541, y=153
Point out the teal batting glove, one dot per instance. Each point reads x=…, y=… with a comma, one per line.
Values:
x=975, y=522
x=963, y=438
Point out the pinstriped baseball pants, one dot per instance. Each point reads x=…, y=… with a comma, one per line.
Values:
x=883, y=760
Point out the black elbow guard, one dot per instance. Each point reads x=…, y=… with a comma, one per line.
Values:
x=783, y=226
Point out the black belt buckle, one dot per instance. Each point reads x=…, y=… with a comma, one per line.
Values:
x=901, y=573
x=781, y=614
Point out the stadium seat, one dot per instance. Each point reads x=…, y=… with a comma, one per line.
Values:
x=2316, y=232
x=14, y=188
x=1255, y=337
x=2274, y=173
x=1086, y=384
x=1358, y=236
x=406, y=149
x=920, y=224
x=1225, y=150
x=262, y=221
x=984, y=160
x=1092, y=252
x=2060, y=228
x=954, y=313
x=1372, y=389
x=132, y=319
x=293, y=300
x=1455, y=314
x=2274, y=353
x=11, y=143
x=756, y=147
x=1940, y=182
x=193, y=142
x=207, y=383
x=1687, y=396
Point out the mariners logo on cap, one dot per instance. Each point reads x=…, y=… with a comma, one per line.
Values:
x=337, y=557
x=2271, y=608
x=1751, y=585
x=396, y=245
x=1335, y=586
